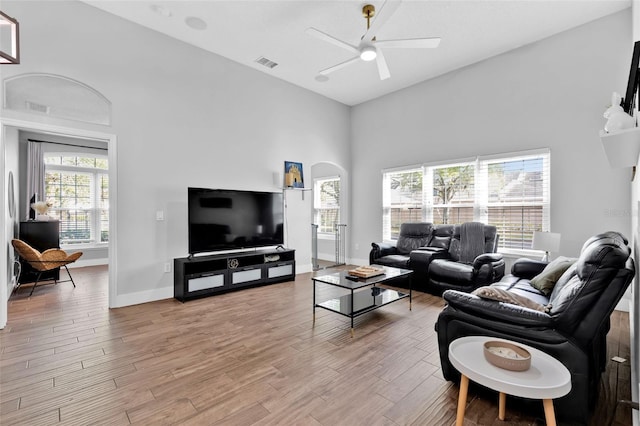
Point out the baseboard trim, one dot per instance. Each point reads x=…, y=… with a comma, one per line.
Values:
x=88, y=262
x=139, y=297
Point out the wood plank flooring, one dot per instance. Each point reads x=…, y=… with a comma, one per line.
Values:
x=251, y=357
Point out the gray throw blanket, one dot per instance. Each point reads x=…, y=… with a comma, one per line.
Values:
x=471, y=241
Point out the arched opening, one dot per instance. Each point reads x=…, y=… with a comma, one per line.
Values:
x=330, y=215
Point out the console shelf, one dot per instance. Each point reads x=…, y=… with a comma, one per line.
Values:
x=205, y=276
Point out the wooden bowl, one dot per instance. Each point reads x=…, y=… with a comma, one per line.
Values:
x=507, y=355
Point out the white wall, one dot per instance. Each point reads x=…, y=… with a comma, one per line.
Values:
x=183, y=117
x=8, y=145
x=548, y=94
x=634, y=298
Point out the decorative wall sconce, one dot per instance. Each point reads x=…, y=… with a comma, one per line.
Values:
x=9, y=43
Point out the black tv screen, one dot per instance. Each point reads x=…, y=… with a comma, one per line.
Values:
x=223, y=219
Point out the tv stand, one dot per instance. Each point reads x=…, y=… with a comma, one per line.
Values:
x=204, y=276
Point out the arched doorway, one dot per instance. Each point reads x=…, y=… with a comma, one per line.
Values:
x=330, y=215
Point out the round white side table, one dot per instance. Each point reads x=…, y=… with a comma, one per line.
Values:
x=546, y=379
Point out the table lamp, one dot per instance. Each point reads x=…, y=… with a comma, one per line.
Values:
x=546, y=241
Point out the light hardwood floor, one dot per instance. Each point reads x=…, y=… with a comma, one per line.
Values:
x=251, y=357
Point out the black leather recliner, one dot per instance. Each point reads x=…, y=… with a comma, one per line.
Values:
x=451, y=272
x=412, y=236
x=574, y=331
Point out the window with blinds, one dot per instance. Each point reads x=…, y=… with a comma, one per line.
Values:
x=77, y=186
x=517, y=198
x=326, y=204
x=453, y=193
x=510, y=191
x=402, y=200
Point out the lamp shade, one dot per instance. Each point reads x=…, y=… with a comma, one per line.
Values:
x=546, y=241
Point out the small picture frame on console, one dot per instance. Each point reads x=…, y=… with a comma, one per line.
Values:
x=293, y=175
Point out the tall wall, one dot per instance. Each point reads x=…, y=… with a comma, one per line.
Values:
x=634, y=312
x=182, y=117
x=548, y=94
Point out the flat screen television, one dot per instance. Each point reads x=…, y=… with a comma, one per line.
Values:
x=224, y=219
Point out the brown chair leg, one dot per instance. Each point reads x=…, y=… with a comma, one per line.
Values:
x=70, y=277
x=35, y=284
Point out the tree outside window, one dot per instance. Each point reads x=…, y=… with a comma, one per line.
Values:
x=453, y=194
x=77, y=185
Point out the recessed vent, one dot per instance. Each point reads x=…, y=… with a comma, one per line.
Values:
x=37, y=107
x=266, y=62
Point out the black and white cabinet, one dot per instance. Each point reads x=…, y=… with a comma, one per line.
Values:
x=204, y=276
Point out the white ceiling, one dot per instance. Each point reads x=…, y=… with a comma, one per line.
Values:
x=471, y=30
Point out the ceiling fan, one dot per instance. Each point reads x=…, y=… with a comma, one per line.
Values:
x=369, y=47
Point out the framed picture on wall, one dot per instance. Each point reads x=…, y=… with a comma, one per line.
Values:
x=293, y=175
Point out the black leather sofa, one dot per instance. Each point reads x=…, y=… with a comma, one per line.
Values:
x=573, y=330
x=422, y=245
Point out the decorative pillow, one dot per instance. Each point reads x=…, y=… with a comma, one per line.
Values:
x=493, y=293
x=546, y=280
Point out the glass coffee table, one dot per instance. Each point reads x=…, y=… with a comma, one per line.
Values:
x=364, y=294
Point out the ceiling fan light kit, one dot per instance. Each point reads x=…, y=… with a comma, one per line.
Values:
x=368, y=53
x=369, y=48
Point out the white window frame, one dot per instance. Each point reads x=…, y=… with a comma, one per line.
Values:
x=386, y=197
x=481, y=198
x=316, y=205
x=95, y=194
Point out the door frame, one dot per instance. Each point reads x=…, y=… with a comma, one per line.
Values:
x=111, y=141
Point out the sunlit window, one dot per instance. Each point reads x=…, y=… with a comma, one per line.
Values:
x=77, y=186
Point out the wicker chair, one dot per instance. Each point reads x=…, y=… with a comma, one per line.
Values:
x=46, y=261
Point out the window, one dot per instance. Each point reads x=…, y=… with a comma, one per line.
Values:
x=517, y=198
x=326, y=204
x=77, y=186
x=453, y=193
x=401, y=200
x=509, y=191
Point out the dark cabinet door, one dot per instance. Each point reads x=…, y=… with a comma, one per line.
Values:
x=41, y=235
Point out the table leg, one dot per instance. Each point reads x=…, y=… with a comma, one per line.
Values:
x=314, y=302
x=410, y=289
x=462, y=399
x=502, y=405
x=549, y=414
x=352, y=314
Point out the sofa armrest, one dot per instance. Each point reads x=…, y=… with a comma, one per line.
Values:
x=379, y=250
x=486, y=258
x=498, y=311
x=488, y=268
x=420, y=259
x=527, y=268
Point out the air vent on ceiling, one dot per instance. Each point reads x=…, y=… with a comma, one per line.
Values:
x=266, y=62
x=37, y=107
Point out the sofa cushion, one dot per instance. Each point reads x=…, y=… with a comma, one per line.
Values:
x=546, y=280
x=395, y=260
x=440, y=242
x=453, y=272
x=501, y=295
x=413, y=236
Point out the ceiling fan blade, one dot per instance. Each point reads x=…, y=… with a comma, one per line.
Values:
x=383, y=69
x=339, y=66
x=330, y=39
x=413, y=43
x=386, y=11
